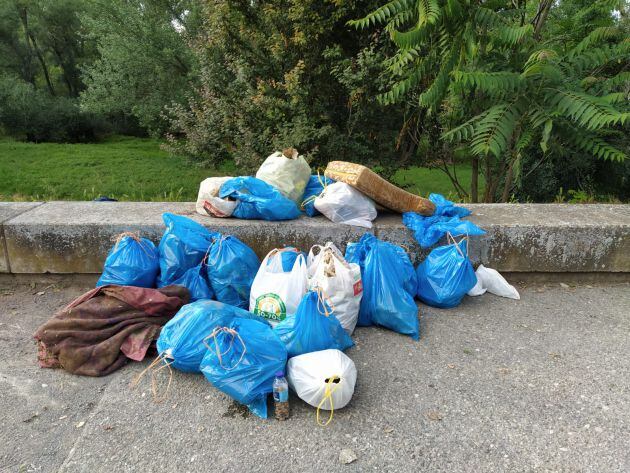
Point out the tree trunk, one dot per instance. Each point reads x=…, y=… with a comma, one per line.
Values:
x=38, y=53
x=541, y=16
x=40, y=57
x=474, y=180
x=492, y=188
x=66, y=70
x=489, y=181
x=507, y=186
x=28, y=72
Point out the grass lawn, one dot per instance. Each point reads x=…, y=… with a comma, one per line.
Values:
x=121, y=167
x=129, y=168
x=424, y=181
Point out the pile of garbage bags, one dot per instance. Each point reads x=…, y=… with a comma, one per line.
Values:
x=209, y=305
x=282, y=189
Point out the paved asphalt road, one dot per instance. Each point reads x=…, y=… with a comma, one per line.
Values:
x=541, y=384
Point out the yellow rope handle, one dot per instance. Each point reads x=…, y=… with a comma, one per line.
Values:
x=308, y=200
x=312, y=198
x=322, y=299
x=322, y=182
x=220, y=354
x=328, y=395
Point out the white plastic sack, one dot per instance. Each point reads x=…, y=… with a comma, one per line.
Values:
x=491, y=280
x=324, y=379
x=477, y=289
x=340, y=282
x=342, y=203
x=208, y=202
x=289, y=174
x=276, y=293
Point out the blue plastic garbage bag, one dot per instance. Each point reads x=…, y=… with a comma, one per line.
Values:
x=231, y=268
x=195, y=280
x=132, y=261
x=446, y=275
x=444, y=207
x=181, y=340
x=446, y=219
x=428, y=230
x=258, y=200
x=183, y=246
x=242, y=360
x=314, y=188
x=389, y=285
x=313, y=327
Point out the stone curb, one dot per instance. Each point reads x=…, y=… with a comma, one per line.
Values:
x=74, y=237
x=9, y=210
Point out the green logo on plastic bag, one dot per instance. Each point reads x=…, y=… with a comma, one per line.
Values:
x=271, y=307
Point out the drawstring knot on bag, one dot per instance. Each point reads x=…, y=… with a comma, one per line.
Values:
x=135, y=236
x=235, y=336
x=312, y=198
x=328, y=392
x=451, y=240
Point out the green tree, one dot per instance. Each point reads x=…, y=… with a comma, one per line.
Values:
x=144, y=61
x=496, y=79
x=66, y=42
x=42, y=48
x=287, y=73
x=42, y=43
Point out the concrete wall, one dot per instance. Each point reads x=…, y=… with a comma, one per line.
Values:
x=8, y=210
x=74, y=237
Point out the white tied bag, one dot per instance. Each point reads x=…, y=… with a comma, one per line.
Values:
x=342, y=203
x=208, y=200
x=324, y=379
x=491, y=280
x=276, y=293
x=287, y=172
x=340, y=282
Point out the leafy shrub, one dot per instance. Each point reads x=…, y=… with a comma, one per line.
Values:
x=286, y=74
x=36, y=116
x=144, y=61
x=507, y=82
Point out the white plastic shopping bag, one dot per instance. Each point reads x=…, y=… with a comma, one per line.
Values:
x=342, y=203
x=208, y=200
x=324, y=379
x=340, y=282
x=287, y=172
x=491, y=280
x=275, y=292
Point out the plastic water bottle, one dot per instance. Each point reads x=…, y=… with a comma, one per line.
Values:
x=281, y=396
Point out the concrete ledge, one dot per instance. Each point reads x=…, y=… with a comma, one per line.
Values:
x=540, y=237
x=9, y=210
x=74, y=237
